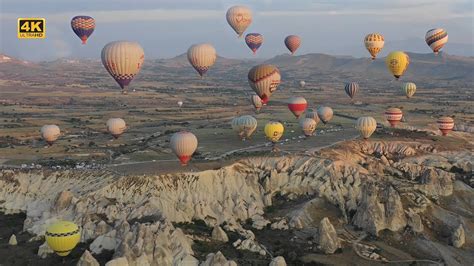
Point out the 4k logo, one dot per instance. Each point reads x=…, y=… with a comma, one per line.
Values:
x=31, y=28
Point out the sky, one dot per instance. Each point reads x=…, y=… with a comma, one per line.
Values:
x=166, y=28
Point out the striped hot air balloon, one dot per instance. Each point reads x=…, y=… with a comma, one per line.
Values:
x=50, y=133
x=239, y=18
x=244, y=126
x=393, y=116
x=123, y=60
x=374, y=43
x=436, y=39
x=313, y=114
x=116, y=127
x=397, y=63
x=351, y=89
x=257, y=102
x=254, y=41
x=62, y=237
x=264, y=80
x=297, y=105
x=83, y=27
x=409, y=88
x=184, y=144
x=308, y=126
x=445, y=124
x=202, y=57
x=292, y=42
x=273, y=131
x=366, y=126
x=325, y=114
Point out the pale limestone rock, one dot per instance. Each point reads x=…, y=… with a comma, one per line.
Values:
x=414, y=221
x=104, y=242
x=280, y=225
x=87, y=260
x=219, y=235
x=44, y=250
x=278, y=261
x=118, y=262
x=217, y=259
x=328, y=240
x=458, y=237
x=12, y=241
x=63, y=200
x=188, y=261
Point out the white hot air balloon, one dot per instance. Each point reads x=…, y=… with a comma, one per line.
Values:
x=239, y=18
x=180, y=104
x=202, y=57
x=325, y=114
x=116, y=127
x=244, y=126
x=302, y=84
x=308, y=126
x=184, y=144
x=50, y=133
x=366, y=126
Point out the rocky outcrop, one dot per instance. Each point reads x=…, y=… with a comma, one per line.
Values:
x=278, y=261
x=458, y=237
x=87, y=260
x=44, y=250
x=219, y=235
x=217, y=259
x=12, y=241
x=328, y=242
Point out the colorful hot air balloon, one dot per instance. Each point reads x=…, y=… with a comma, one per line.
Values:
x=62, y=237
x=184, y=144
x=123, y=60
x=397, y=63
x=308, y=126
x=302, y=84
x=83, y=27
x=254, y=41
x=202, y=57
x=297, y=105
x=116, y=127
x=409, y=88
x=374, y=43
x=310, y=113
x=239, y=18
x=257, y=102
x=351, y=89
x=274, y=130
x=244, y=126
x=436, y=39
x=50, y=133
x=445, y=124
x=366, y=126
x=292, y=42
x=393, y=116
x=264, y=80
x=325, y=113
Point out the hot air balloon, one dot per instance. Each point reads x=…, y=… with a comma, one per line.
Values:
x=374, y=43
x=274, y=131
x=116, y=126
x=264, y=80
x=254, y=41
x=351, y=89
x=62, y=237
x=308, y=126
x=325, y=113
x=184, y=144
x=257, y=102
x=310, y=113
x=50, y=133
x=409, y=88
x=239, y=18
x=180, y=104
x=436, y=39
x=202, y=57
x=83, y=27
x=445, y=124
x=297, y=105
x=302, y=84
x=292, y=42
x=123, y=61
x=397, y=63
x=393, y=116
x=366, y=126
x=244, y=126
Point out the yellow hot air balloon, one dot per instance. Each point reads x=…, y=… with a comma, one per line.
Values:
x=116, y=126
x=202, y=57
x=50, y=133
x=308, y=126
x=397, y=63
x=366, y=126
x=62, y=237
x=184, y=144
x=274, y=131
x=310, y=113
x=244, y=126
x=374, y=43
x=123, y=60
x=264, y=80
x=409, y=88
x=239, y=18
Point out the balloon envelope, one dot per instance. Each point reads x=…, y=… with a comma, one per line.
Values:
x=274, y=131
x=366, y=126
x=50, y=133
x=325, y=113
x=297, y=105
x=397, y=63
x=62, y=237
x=292, y=42
x=302, y=84
x=409, y=88
x=202, y=57
x=351, y=89
x=116, y=126
x=244, y=126
x=445, y=124
x=254, y=41
x=83, y=27
x=239, y=18
x=313, y=114
x=264, y=80
x=436, y=39
x=184, y=144
x=374, y=43
x=256, y=101
x=308, y=126
x=393, y=116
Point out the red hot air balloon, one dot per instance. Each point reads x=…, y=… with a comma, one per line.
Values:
x=254, y=41
x=83, y=27
x=445, y=124
x=297, y=105
x=292, y=42
x=394, y=116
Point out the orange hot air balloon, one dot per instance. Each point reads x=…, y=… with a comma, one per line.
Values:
x=292, y=42
x=297, y=105
x=394, y=116
x=184, y=144
x=264, y=80
x=445, y=124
